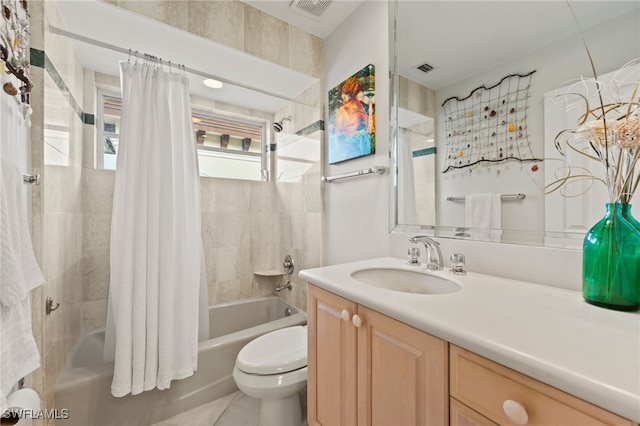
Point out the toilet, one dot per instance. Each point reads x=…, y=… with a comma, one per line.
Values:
x=273, y=367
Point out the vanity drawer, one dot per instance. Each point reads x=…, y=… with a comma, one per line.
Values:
x=484, y=386
x=461, y=415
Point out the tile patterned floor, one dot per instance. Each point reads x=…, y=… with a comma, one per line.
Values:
x=236, y=409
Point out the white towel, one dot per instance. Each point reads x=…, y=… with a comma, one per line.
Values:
x=19, y=354
x=19, y=270
x=483, y=215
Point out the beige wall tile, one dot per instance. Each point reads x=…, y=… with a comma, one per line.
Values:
x=94, y=313
x=306, y=53
x=97, y=234
x=416, y=97
x=71, y=289
x=262, y=197
x=174, y=13
x=266, y=36
x=97, y=191
x=220, y=21
x=231, y=196
x=96, y=277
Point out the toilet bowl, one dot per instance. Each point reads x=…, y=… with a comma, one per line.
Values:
x=273, y=367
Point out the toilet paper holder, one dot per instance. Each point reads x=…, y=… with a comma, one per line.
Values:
x=49, y=305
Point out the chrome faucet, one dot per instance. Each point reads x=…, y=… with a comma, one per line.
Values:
x=430, y=245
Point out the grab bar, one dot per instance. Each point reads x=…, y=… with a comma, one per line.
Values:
x=504, y=197
x=374, y=169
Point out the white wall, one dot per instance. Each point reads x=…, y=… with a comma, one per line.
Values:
x=357, y=224
x=356, y=209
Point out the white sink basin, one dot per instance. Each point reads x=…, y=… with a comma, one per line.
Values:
x=406, y=281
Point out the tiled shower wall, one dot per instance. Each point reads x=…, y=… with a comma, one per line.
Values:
x=298, y=169
x=247, y=226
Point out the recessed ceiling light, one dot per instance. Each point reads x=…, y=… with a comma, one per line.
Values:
x=214, y=84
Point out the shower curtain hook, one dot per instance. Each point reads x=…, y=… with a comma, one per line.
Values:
x=129, y=58
x=136, y=57
x=170, y=67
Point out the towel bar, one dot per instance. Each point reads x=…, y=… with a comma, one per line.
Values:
x=374, y=169
x=504, y=197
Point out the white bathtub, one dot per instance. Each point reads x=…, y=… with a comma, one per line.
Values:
x=84, y=385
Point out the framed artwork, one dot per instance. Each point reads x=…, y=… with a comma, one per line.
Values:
x=352, y=117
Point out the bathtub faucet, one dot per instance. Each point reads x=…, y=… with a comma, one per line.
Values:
x=281, y=287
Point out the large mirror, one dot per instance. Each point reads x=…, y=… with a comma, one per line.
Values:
x=475, y=112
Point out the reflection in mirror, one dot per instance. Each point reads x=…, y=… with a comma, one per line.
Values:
x=457, y=62
x=416, y=153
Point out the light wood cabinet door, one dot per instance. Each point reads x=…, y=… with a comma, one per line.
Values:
x=402, y=376
x=332, y=363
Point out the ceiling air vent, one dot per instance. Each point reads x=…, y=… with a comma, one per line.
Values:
x=425, y=67
x=313, y=7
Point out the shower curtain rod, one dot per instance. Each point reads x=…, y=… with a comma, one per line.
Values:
x=78, y=37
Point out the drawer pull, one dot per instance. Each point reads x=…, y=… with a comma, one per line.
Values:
x=345, y=315
x=515, y=412
x=357, y=321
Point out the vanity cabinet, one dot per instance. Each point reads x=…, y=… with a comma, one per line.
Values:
x=486, y=393
x=365, y=368
x=368, y=369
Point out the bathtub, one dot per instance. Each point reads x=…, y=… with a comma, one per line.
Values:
x=84, y=385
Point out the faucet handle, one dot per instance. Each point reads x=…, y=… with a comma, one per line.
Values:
x=414, y=256
x=287, y=265
x=457, y=264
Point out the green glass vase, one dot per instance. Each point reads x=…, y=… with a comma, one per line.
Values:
x=611, y=260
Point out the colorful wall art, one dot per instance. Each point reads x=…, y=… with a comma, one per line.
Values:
x=352, y=129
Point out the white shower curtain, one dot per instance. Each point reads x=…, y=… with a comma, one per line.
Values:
x=157, y=264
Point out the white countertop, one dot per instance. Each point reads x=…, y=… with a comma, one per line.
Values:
x=547, y=333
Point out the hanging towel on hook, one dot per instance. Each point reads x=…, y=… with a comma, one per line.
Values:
x=483, y=214
x=19, y=270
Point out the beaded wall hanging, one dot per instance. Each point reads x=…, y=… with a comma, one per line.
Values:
x=488, y=126
x=14, y=47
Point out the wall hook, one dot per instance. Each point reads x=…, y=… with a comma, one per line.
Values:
x=49, y=306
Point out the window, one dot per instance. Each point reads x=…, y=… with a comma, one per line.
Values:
x=232, y=148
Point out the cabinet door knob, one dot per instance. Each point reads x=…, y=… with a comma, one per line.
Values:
x=515, y=412
x=345, y=315
x=357, y=321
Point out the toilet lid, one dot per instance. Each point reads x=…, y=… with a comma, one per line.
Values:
x=279, y=351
